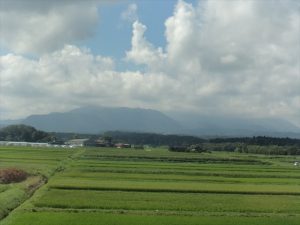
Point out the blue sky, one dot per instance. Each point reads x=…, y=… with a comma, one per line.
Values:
x=238, y=58
x=113, y=34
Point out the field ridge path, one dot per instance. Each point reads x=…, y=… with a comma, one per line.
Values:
x=61, y=166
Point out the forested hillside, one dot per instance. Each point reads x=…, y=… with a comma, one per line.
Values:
x=24, y=133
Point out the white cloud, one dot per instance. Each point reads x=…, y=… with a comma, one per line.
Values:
x=143, y=52
x=37, y=27
x=234, y=57
x=130, y=14
x=182, y=36
x=221, y=57
x=227, y=59
x=73, y=77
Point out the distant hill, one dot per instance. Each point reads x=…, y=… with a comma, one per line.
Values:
x=22, y=132
x=95, y=120
x=99, y=119
x=5, y=123
x=226, y=126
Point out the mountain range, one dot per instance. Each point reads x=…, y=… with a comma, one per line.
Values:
x=99, y=119
x=95, y=120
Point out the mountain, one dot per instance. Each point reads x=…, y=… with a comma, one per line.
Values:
x=99, y=119
x=5, y=123
x=210, y=125
x=93, y=120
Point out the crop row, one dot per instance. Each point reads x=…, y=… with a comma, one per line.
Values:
x=96, y=218
x=82, y=199
x=183, y=166
x=178, y=177
x=171, y=186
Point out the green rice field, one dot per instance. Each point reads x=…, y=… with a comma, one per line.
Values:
x=109, y=186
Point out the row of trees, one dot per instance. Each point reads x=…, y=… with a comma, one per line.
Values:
x=192, y=148
x=239, y=147
x=153, y=139
x=257, y=145
x=24, y=133
x=259, y=140
x=270, y=150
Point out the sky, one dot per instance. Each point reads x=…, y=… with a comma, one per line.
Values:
x=210, y=57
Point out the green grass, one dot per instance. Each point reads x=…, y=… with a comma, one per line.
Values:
x=171, y=186
x=161, y=155
x=38, y=162
x=10, y=199
x=77, y=199
x=96, y=218
x=15, y=194
x=107, y=186
x=3, y=187
x=104, y=175
x=33, y=160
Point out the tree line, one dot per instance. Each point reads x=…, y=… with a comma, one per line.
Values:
x=153, y=138
x=256, y=145
x=24, y=133
x=259, y=140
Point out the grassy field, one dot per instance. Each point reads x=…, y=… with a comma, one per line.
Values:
x=95, y=186
x=40, y=163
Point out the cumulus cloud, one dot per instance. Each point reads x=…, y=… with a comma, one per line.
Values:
x=227, y=57
x=142, y=51
x=72, y=77
x=130, y=14
x=238, y=57
x=37, y=27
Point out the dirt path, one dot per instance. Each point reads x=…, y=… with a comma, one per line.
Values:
x=17, y=194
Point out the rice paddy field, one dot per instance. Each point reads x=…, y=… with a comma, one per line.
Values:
x=109, y=186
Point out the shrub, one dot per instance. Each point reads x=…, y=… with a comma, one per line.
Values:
x=197, y=148
x=178, y=148
x=12, y=175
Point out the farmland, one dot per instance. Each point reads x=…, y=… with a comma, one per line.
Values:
x=95, y=186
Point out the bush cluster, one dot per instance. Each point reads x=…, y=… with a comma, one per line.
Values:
x=191, y=148
x=12, y=175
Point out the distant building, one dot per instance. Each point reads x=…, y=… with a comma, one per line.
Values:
x=24, y=143
x=104, y=143
x=3, y=143
x=138, y=147
x=100, y=142
x=77, y=142
x=122, y=145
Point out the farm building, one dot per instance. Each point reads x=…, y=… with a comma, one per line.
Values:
x=98, y=142
x=101, y=142
x=24, y=143
x=77, y=142
x=122, y=145
x=138, y=147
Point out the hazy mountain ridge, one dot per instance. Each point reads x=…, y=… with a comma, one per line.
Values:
x=205, y=125
x=95, y=120
x=98, y=119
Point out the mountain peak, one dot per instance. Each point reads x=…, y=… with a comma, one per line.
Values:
x=95, y=119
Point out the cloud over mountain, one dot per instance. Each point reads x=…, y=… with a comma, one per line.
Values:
x=37, y=27
x=221, y=57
